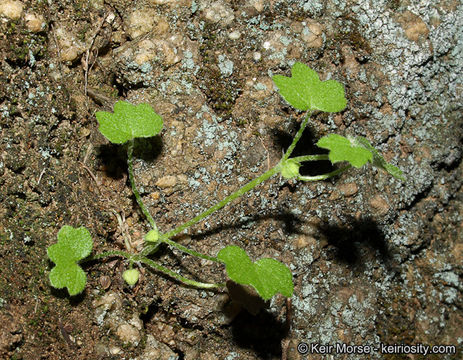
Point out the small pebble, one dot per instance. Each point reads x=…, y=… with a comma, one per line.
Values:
x=105, y=282
x=114, y=350
x=234, y=35
x=379, y=205
x=11, y=9
x=128, y=334
x=220, y=13
x=35, y=23
x=166, y=182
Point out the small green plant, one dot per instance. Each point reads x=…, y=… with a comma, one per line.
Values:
x=73, y=245
x=304, y=91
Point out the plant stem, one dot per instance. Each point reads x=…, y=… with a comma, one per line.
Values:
x=324, y=176
x=310, y=158
x=140, y=258
x=134, y=187
x=166, y=237
x=250, y=185
x=296, y=138
x=189, y=251
x=173, y=274
x=110, y=253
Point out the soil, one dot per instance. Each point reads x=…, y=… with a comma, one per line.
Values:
x=374, y=260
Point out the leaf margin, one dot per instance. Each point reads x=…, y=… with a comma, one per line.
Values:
x=236, y=271
x=129, y=121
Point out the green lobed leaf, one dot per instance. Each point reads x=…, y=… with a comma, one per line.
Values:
x=304, y=90
x=343, y=149
x=70, y=276
x=128, y=122
x=267, y=276
x=73, y=245
x=379, y=161
x=357, y=151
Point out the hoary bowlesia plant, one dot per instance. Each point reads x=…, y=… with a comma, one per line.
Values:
x=305, y=92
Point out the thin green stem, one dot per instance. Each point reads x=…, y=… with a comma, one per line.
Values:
x=319, y=157
x=324, y=176
x=173, y=274
x=110, y=253
x=189, y=251
x=152, y=247
x=134, y=187
x=250, y=185
x=296, y=138
x=140, y=258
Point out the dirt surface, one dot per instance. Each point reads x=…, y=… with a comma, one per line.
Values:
x=375, y=261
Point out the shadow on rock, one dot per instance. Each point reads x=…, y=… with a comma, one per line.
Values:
x=290, y=224
x=261, y=333
x=114, y=156
x=351, y=242
x=305, y=146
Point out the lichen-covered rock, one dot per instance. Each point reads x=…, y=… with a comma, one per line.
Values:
x=218, y=12
x=312, y=34
x=374, y=259
x=142, y=21
x=141, y=61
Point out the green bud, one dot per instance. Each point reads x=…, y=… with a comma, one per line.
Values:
x=290, y=169
x=152, y=236
x=131, y=276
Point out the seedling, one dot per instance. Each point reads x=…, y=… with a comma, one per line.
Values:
x=73, y=245
x=304, y=91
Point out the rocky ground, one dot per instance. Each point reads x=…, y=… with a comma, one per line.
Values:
x=374, y=260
